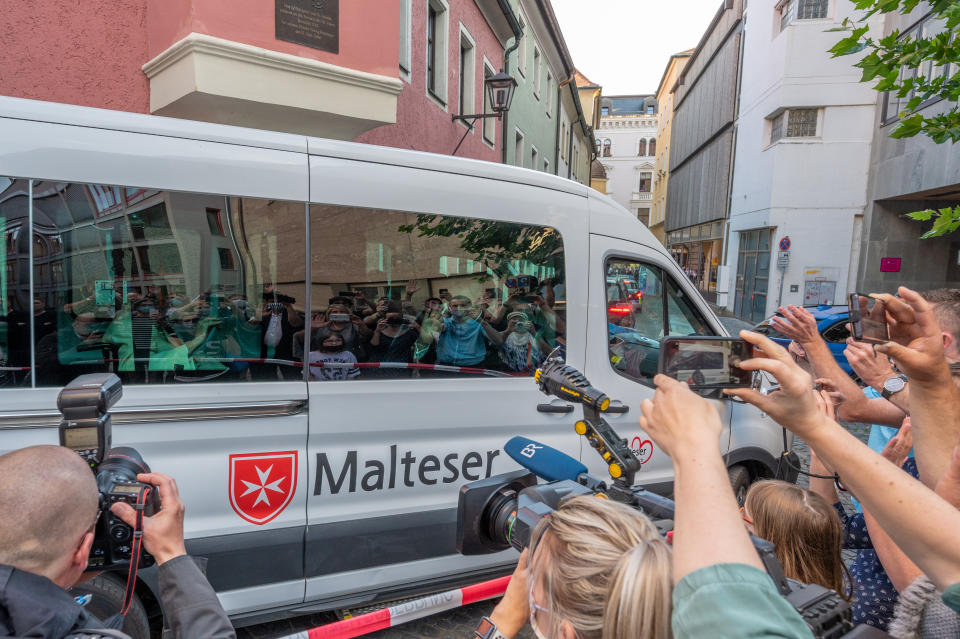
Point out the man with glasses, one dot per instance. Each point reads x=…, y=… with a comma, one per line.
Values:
x=50, y=505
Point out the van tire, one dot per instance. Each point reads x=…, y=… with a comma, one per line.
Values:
x=107, y=591
x=740, y=481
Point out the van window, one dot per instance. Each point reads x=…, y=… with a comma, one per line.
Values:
x=163, y=286
x=641, y=310
x=400, y=295
x=16, y=306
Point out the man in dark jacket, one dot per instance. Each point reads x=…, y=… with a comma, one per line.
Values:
x=49, y=502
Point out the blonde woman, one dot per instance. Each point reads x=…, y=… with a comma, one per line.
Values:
x=597, y=569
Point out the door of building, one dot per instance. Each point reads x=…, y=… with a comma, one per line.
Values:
x=753, y=275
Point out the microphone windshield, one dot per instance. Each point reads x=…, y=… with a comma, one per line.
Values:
x=542, y=460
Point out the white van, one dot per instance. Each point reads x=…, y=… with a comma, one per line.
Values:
x=319, y=458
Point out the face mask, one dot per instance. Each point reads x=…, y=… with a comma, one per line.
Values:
x=521, y=327
x=336, y=348
x=459, y=312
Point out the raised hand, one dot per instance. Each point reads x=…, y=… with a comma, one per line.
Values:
x=794, y=405
x=679, y=421
x=797, y=323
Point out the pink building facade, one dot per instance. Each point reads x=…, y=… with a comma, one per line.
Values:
x=210, y=60
x=446, y=51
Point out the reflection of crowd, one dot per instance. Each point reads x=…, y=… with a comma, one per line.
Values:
x=449, y=330
x=152, y=334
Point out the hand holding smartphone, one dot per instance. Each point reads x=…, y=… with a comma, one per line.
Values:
x=707, y=362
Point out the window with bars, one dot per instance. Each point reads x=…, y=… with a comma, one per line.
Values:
x=793, y=123
x=802, y=10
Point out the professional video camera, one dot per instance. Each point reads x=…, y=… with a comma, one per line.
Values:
x=496, y=513
x=85, y=428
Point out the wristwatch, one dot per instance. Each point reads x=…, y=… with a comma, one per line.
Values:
x=486, y=629
x=893, y=385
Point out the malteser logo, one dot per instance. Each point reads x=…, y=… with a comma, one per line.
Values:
x=394, y=470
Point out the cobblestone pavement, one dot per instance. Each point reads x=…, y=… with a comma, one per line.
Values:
x=461, y=622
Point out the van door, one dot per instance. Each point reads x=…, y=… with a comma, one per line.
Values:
x=410, y=398
x=154, y=257
x=638, y=296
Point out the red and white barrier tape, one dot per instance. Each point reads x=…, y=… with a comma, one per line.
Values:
x=407, y=611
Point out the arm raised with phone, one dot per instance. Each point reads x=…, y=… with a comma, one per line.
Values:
x=918, y=520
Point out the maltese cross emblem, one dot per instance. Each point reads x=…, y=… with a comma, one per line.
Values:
x=262, y=484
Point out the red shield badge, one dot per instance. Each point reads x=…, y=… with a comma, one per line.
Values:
x=262, y=484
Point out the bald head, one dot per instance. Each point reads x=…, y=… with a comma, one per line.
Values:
x=48, y=498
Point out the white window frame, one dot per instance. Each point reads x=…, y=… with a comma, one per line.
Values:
x=440, y=96
x=546, y=165
x=786, y=11
x=537, y=75
x=785, y=114
x=534, y=157
x=406, y=37
x=467, y=103
x=522, y=48
x=640, y=175
x=549, y=94
x=489, y=125
x=519, y=140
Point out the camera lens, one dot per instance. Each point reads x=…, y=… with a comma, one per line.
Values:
x=500, y=516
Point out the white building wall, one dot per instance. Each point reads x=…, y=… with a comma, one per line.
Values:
x=812, y=189
x=625, y=165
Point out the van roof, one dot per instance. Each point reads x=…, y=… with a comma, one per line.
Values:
x=606, y=217
x=40, y=111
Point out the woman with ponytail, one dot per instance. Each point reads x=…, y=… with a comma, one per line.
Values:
x=597, y=569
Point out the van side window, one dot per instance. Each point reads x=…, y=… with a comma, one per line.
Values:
x=401, y=295
x=163, y=287
x=641, y=310
x=16, y=306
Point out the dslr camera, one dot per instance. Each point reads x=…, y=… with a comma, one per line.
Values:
x=502, y=511
x=85, y=428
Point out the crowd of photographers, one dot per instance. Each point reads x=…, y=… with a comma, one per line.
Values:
x=595, y=570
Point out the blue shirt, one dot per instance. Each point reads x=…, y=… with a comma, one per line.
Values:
x=461, y=343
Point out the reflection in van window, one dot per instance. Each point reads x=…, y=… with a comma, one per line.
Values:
x=641, y=310
x=401, y=295
x=16, y=305
x=159, y=286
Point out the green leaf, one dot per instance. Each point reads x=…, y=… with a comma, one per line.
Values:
x=908, y=127
x=921, y=216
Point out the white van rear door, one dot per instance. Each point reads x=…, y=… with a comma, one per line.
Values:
x=637, y=296
x=389, y=451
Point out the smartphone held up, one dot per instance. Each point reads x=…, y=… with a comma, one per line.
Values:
x=708, y=362
x=868, y=319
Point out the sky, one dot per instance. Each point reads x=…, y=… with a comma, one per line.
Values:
x=624, y=45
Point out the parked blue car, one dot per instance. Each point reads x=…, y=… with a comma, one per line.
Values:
x=831, y=322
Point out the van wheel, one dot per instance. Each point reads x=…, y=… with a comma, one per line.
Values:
x=740, y=481
x=106, y=592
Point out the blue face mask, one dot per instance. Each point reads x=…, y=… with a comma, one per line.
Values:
x=459, y=312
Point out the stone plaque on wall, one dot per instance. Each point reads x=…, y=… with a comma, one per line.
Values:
x=314, y=23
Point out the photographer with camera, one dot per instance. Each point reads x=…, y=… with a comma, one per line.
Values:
x=50, y=503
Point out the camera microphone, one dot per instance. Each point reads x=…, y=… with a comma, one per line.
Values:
x=544, y=461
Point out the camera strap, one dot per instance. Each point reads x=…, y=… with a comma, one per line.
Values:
x=136, y=550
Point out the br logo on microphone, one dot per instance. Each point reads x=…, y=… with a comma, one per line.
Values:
x=530, y=450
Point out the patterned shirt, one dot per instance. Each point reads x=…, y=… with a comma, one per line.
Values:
x=874, y=595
